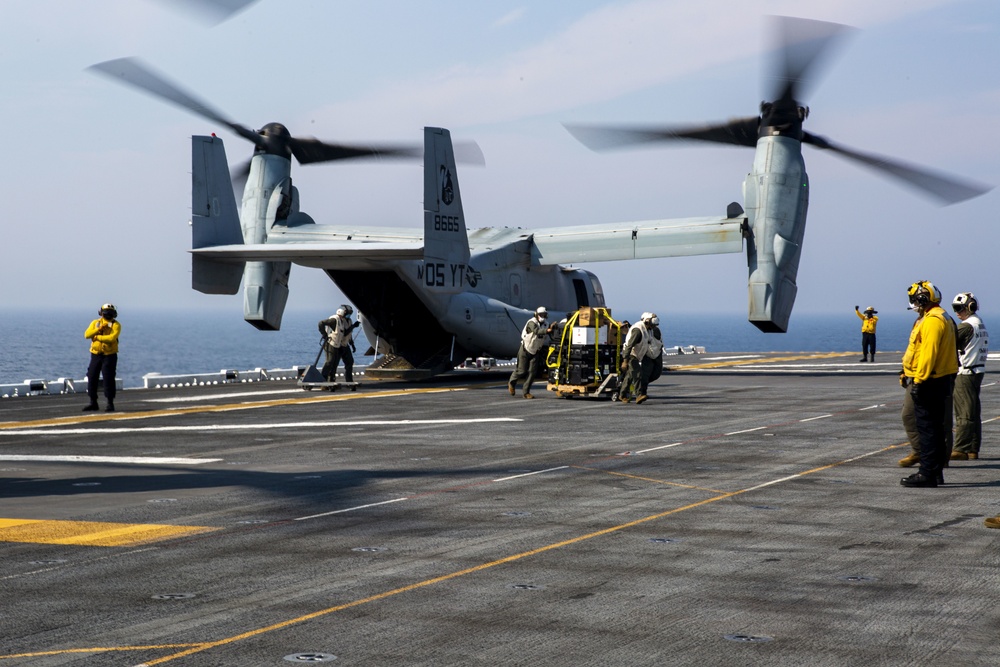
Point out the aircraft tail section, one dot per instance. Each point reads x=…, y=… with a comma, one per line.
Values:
x=215, y=219
x=446, y=241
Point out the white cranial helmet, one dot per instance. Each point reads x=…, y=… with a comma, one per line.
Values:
x=965, y=300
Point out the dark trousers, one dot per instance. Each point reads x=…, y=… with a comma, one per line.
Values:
x=529, y=367
x=968, y=413
x=930, y=407
x=868, y=344
x=633, y=382
x=102, y=365
x=333, y=359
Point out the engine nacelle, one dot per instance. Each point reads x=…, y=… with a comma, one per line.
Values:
x=776, y=197
x=269, y=197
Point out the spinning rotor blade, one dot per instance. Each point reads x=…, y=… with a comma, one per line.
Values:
x=802, y=45
x=310, y=150
x=739, y=132
x=213, y=11
x=272, y=138
x=946, y=189
x=134, y=73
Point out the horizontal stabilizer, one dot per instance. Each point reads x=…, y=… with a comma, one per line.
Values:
x=310, y=253
x=637, y=240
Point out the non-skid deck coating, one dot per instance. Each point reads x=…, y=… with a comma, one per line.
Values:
x=749, y=513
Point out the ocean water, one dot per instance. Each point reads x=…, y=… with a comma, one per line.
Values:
x=48, y=344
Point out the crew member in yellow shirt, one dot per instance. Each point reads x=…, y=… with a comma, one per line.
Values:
x=868, y=324
x=930, y=364
x=103, y=335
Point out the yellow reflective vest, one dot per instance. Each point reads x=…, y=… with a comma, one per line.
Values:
x=931, y=352
x=867, y=323
x=103, y=336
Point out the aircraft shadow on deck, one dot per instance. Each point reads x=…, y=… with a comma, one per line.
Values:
x=319, y=484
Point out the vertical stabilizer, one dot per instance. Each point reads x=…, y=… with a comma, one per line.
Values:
x=445, y=238
x=214, y=217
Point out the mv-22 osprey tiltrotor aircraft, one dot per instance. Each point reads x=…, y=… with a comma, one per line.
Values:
x=434, y=298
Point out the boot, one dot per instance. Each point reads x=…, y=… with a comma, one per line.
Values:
x=909, y=460
x=111, y=407
x=92, y=407
x=865, y=359
x=919, y=480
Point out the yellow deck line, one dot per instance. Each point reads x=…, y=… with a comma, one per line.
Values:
x=762, y=360
x=91, y=533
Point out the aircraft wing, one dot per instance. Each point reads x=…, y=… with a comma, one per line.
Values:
x=637, y=240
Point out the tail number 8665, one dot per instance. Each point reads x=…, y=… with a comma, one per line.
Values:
x=447, y=223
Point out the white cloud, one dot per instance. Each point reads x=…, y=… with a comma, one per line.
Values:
x=612, y=51
x=510, y=17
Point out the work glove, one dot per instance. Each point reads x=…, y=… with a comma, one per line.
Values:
x=903, y=380
x=856, y=308
x=624, y=366
x=353, y=348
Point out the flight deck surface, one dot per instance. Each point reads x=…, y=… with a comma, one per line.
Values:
x=749, y=513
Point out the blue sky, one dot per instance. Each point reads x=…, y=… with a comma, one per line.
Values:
x=97, y=175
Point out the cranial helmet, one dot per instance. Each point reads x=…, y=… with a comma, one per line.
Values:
x=923, y=292
x=965, y=300
x=655, y=321
x=542, y=312
x=341, y=312
x=108, y=310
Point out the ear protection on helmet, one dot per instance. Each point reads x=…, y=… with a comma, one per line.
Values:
x=108, y=311
x=341, y=312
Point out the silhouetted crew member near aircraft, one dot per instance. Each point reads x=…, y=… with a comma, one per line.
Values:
x=973, y=347
x=531, y=353
x=930, y=362
x=652, y=363
x=868, y=324
x=103, y=335
x=633, y=352
x=339, y=343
